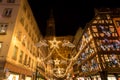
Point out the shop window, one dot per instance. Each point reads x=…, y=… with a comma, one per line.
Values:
x=3, y=28
x=111, y=77
x=28, y=78
x=7, y=12
x=13, y=77
x=14, y=56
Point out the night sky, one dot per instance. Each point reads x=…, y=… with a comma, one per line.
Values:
x=69, y=15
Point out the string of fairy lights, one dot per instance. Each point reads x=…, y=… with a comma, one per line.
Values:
x=105, y=44
x=54, y=46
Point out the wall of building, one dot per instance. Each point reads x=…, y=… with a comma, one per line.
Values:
x=18, y=53
x=99, y=47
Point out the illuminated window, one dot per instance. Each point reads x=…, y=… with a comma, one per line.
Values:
x=98, y=17
x=94, y=29
x=24, y=8
x=7, y=12
x=29, y=62
x=28, y=15
x=95, y=21
x=22, y=20
x=24, y=40
x=0, y=46
x=11, y=1
x=108, y=16
x=3, y=28
x=112, y=29
x=118, y=23
x=106, y=57
x=14, y=56
x=102, y=57
x=25, y=60
x=26, y=27
x=102, y=34
x=30, y=34
x=32, y=65
x=111, y=78
x=19, y=35
x=94, y=64
x=28, y=44
x=21, y=56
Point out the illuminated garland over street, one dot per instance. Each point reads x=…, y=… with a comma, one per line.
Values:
x=54, y=47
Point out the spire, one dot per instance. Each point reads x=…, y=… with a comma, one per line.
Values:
x=50, y=31
x=51, y=13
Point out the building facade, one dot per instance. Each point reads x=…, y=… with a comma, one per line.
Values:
x=99, y=57
x=18, y=34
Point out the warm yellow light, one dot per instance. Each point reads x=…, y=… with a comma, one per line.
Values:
x=57, y=61
x=54, y=43
x=14, y=40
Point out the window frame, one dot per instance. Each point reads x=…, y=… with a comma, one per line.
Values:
x=10, y=1
x=15, y=51
x=1, y=44
x=7, y=12
x=3, y=28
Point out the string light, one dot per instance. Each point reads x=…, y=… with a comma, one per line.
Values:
x=54, y=47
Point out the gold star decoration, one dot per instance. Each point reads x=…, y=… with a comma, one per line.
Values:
x=54, y=43
x=57, y=61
